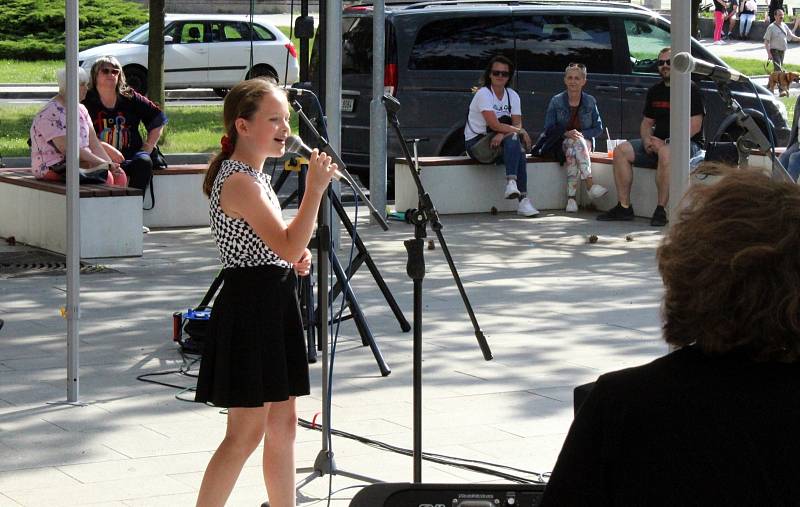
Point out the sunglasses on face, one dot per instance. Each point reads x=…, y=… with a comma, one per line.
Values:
x=662, y=63
x=110, y=70
x=501, y=73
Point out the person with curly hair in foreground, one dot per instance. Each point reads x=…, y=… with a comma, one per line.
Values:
x=715, y=421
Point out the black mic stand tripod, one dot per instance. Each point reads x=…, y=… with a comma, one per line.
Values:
x=324, y=462
x=752, y=140
x=426, y=212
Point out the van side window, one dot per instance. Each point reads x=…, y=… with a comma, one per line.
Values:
x=551, y=42
x=645, y=40
x=357, y=47
x=461, y=43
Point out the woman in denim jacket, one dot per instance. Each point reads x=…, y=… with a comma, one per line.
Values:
x=576, y=113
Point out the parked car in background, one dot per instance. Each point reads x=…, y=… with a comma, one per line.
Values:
x=205, y=51
x=436, y=52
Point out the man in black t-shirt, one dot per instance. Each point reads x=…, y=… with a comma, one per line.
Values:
x=652, y=150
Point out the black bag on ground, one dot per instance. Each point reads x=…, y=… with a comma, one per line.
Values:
x=197, y=328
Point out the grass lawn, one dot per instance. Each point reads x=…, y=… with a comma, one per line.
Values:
x=191, y=129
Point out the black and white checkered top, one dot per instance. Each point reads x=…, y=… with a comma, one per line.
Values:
x=239, y=246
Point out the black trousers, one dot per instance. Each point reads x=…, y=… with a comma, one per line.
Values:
x=139, y=170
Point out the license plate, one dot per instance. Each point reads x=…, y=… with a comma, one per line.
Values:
x=347, y=104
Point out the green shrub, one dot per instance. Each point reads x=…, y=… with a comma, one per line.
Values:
x=34, y=29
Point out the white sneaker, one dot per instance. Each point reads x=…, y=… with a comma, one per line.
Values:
x=597, y=191
x=145, y=229
x=512, y=192
x=526, y=209
x=572, y=206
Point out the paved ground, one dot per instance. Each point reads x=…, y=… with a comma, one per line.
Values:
x=557, y=312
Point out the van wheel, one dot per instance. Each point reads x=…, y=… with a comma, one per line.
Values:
x=263, y=71
x=221, y=92
x=454, y=146
x=136, y=77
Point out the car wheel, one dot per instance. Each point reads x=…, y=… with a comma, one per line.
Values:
x=263, y=71
x=454, y=146
x=221, y=92
x=136, y=77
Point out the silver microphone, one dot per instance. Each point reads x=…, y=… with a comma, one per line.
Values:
x=296, y=145
x=684, y=62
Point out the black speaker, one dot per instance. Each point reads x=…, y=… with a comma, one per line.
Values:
x=401, y=494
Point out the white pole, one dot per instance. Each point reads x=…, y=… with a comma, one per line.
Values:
x=73, y=204
x=377, y=157
x=333, y=91
x=680, y=101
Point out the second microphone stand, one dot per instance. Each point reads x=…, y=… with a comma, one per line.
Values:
x=426, y=212
x=752, y=140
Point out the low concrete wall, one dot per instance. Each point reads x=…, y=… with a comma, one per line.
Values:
x=706, y=26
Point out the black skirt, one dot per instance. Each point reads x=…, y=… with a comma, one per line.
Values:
x=255, y=350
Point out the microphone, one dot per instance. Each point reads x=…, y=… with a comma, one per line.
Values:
x=292, y=93
x=296, y=145
x=684, y=62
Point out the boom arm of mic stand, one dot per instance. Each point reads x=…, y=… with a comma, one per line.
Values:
x=752, y=140
x=325, y=147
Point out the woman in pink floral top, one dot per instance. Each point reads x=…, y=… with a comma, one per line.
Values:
x=49, y=138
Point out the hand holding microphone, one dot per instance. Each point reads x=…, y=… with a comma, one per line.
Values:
x=320, y=164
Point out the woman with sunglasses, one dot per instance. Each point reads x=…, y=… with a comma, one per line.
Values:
x=49, y=139
x=575, y=113
x=117, y=111
x=495, y=111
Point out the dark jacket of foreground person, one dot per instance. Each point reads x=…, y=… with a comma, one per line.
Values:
x=715, y=422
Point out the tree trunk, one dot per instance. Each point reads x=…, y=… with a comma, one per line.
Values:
x=155, y=56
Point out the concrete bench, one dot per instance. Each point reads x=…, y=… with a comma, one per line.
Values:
x=462, y=185
x=180, y=201
x=35, y=212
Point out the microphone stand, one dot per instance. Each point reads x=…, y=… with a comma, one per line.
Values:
x=426, y=212
x=752, y=141
x=325, y=462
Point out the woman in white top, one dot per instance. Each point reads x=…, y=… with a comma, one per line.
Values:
x=495, y=110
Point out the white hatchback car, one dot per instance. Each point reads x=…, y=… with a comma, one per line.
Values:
x=205, y=51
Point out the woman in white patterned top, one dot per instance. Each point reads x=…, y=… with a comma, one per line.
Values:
x=254, y=360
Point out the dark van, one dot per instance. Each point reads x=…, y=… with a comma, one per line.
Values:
x=435, y=52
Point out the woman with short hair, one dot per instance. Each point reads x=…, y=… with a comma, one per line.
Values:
x=574, y=112
x=49, y=138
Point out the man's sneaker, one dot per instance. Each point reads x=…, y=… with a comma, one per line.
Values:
x=145, y=229
x=659, y=217
x=512, y=192
x=526, y=209
x=617, y=213
x=572, y=206
x=597, y=191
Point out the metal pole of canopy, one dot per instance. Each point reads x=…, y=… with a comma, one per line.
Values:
x=73, y=205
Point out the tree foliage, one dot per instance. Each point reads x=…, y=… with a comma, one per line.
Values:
x=34, y=29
